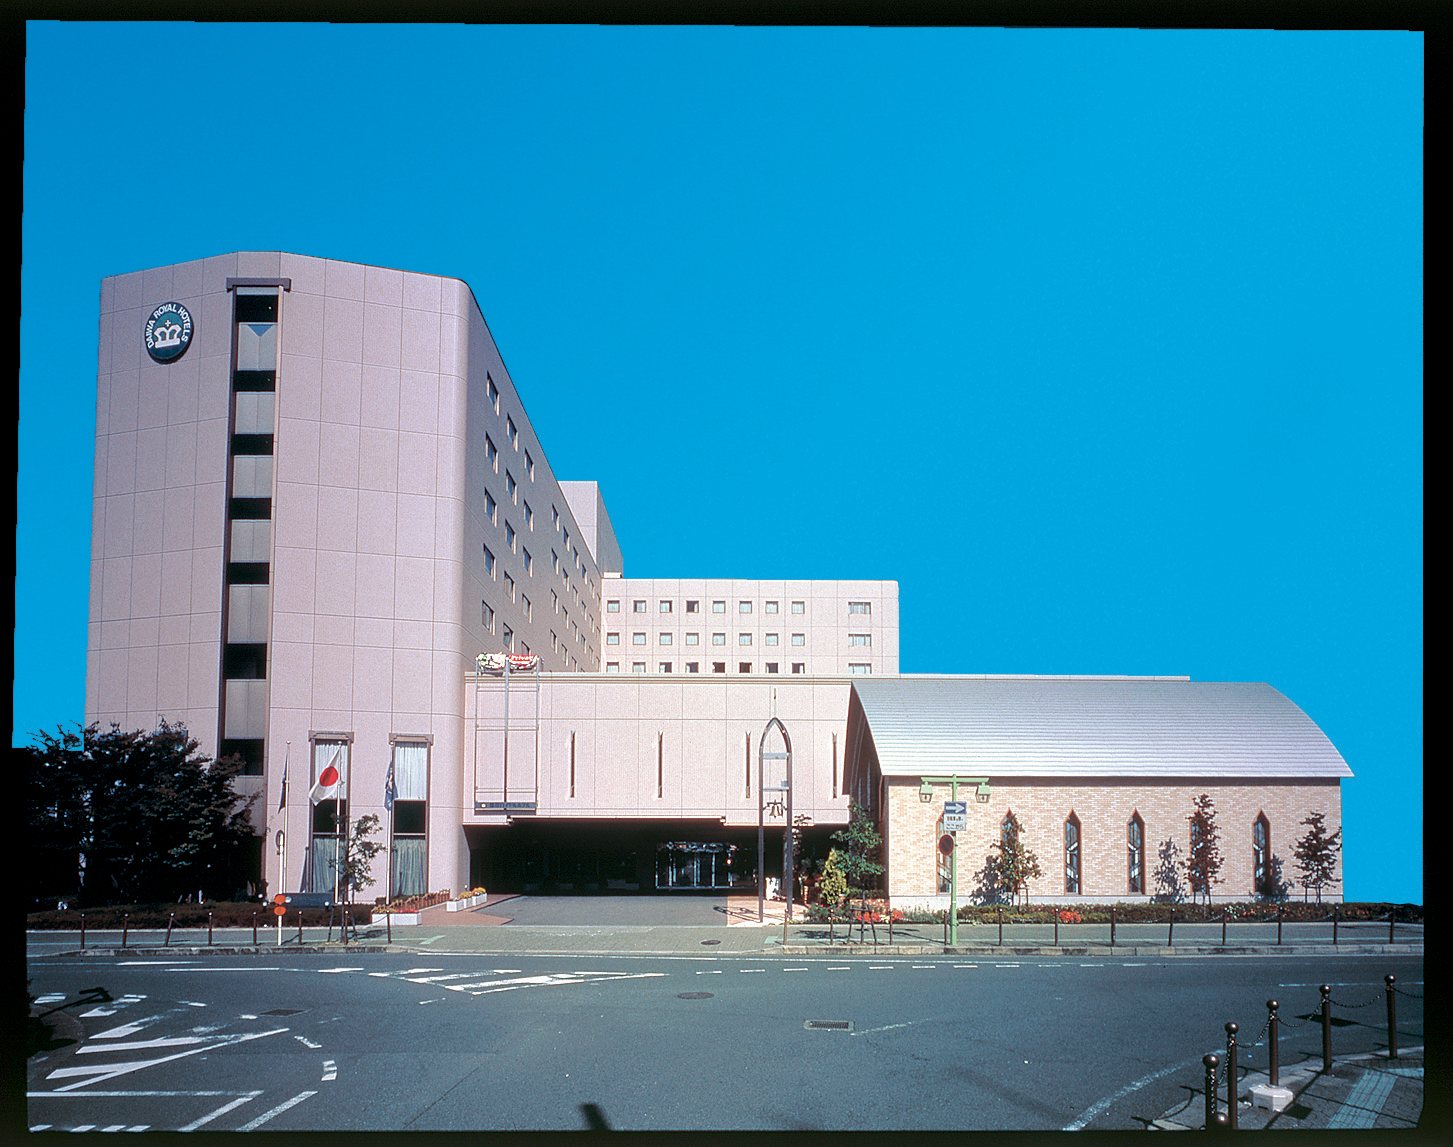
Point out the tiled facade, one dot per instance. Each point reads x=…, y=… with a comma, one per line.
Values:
x=1104, y=809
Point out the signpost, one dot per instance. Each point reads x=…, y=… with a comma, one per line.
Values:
x=955, y=820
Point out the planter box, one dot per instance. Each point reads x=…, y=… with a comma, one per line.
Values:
x=468, y=902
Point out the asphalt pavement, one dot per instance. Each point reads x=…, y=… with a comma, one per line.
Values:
x=1368, y=1090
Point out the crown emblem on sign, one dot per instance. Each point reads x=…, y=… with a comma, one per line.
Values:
x=167, y=334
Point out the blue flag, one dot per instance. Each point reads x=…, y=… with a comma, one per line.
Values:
x=389, y=790
x=283, y=800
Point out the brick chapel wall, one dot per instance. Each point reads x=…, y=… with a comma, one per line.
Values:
x=1104, y=808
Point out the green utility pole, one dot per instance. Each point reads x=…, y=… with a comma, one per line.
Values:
x=953, y=878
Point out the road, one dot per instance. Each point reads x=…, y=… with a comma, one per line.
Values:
x=441, y=1041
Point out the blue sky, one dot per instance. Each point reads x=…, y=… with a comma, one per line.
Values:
x=1106, y=345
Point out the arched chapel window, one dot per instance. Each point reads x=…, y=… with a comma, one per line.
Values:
x=1072, y=855
x=1261, y=854
x=1135, y=855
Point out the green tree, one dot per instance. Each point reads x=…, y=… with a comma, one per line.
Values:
x=142, y=816
x=1016, y=865
x=356, y=871
x=834, y=884
x=859, y=863
x=1316, y=855
x=1203, y=865
x=1169, y=889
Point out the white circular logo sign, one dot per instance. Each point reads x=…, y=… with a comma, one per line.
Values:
x=168, y=332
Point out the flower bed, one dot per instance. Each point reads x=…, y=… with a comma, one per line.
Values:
x=472, y=899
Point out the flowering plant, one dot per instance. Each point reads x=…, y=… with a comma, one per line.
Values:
x=1067, y=916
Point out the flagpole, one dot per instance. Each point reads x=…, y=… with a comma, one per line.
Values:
x=282, y=875
x=391, y=781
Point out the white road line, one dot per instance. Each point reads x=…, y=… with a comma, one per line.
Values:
x=794, y=969
x=421, y=971
x=710, y=972
x=323, y=970
x=886, y=1027
x=223, y=1110
x=306, y=1042
x=110, y=1071
x=135, y=1044
x=744, y=971
x=115, y=1127
x=330, y=1070
x=127, y=1029
x=278, y=1110
x=507, y=971
x=1096, y=1108
x=930, y=967
x=127, y=1094
x=431, y=939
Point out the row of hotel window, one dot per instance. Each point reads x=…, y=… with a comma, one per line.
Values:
x=666, y=605
x=859, y=639
x=721, y=667
x=1134, y=853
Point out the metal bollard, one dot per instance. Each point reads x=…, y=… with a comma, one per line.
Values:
x=167, y=943
x=1272, y=1028
x=1212, y=1063
x=1001, y=925
x=1280, y=912
x=1391, y=915
x=1392, y=1018
x=1056, y=929
x=125, y=921
x=389, y=924
x=300, y=925
x=209, y=929
x=1112, y=925
x=1223, y=944
x=1334, y=924
x=83, y=929
x=1326, y=991
x=254, y=929
x=1170, y=930
x=1231, y=1075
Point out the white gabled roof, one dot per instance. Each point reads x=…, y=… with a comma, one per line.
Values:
x=1078, y=726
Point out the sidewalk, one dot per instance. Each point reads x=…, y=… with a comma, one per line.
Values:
x=1366, y=1091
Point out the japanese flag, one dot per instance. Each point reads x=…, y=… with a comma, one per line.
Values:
x=329, y=786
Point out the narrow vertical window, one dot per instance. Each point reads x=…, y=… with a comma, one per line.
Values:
x=1261, y=855
x=572, y=762
x=660, y=766
x=1135, y=855
x=1072, y=855
x=406, y=798
x=748, y=759
x=834, y=758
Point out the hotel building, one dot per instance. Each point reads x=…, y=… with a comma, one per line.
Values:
x=319, y=503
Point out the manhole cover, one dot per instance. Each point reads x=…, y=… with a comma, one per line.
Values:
x=829, y=1025
x=283, y=1012
x=709, y=943
x=693, y=995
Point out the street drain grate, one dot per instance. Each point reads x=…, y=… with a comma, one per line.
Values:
x=284, y=1012
x=693, y=995
x=829, y=1025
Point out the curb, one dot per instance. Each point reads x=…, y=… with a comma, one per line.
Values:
x=337, y=947
x=1101, y=950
